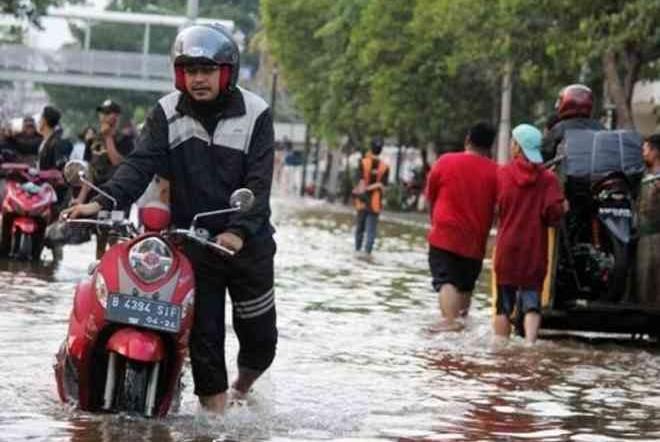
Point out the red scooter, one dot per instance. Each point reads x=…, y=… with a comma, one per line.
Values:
x=131, y=318
x=27, y=208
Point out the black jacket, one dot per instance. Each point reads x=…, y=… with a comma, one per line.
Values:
x=55, y=151
x=99, y=161
x=26, y=146
x=205, y=156
x=556, y=135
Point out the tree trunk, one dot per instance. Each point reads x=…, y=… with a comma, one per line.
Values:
x=399, y=159
x=317, y=176
x=347, y=183
x=333, y=170
x=621, y=94
x=505, y=114
x=303, y=180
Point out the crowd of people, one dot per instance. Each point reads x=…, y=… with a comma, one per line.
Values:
x=469, y=194
x=42, y=144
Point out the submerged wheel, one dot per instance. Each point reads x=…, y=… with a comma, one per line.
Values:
x=617, y=280
x=23, y=245
x=131, y=391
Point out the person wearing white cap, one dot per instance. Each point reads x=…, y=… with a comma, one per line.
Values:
x=529, y=200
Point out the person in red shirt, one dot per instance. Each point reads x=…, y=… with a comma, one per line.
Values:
x=461, y=190
x=529, y=201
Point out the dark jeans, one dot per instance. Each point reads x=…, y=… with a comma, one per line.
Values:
x=368, y=221
x=249, y=278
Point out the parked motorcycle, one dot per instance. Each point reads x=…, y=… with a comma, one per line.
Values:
x=27, y=208
x=131, y=318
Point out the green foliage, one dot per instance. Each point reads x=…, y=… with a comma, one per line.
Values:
x=423, y=70
x=38, y=8
x=30, y=12
x=292, y=31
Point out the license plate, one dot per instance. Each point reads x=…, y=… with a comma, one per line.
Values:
x=143, y=312
x=619, y=212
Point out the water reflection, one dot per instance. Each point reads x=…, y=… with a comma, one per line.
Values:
x=110, y=429
x=355, y=360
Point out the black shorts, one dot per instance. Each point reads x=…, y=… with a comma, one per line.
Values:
x=450, y=268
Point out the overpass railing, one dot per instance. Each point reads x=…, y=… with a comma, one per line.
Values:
x=90, y=62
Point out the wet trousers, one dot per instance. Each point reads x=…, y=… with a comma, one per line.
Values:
x=249, y=279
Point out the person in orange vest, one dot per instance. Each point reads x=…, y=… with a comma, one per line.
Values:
x=373, y=174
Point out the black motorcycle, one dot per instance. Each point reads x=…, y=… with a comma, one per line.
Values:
x=596, y=241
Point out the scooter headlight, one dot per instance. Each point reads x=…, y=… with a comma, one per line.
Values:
x=101, y=289
x=150, y=259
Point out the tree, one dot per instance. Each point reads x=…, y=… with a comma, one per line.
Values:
x=299, y=50
x=29, y=9
x=622, y=36
x=422, y=70
x=420, y=92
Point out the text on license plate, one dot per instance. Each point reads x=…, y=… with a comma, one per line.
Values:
x=143, y=312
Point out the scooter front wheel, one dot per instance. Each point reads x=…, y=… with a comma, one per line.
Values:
x=132, y=389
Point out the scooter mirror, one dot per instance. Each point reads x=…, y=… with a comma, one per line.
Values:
x=73, y=171
x=242, y=199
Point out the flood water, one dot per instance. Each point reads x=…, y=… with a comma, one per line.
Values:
x=355, y=358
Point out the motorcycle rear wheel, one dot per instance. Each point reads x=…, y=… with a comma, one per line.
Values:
x=617, y=280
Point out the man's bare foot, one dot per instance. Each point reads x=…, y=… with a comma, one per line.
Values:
x=246, y=377
x=237, y=398
x=215, y=403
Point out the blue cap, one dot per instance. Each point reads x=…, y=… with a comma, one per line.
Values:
x=529, y=139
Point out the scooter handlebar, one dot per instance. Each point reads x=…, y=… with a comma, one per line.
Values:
x=193, y=235
x=220, y=248
x=95, y=222
x=105, y=223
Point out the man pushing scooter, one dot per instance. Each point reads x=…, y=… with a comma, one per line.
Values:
x=209, y=138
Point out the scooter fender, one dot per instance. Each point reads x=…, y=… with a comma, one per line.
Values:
x=85, y=320
x=25, y=224
x=137, y=345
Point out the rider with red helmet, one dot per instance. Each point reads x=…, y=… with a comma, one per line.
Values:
x=573, y=111
x=209, y=138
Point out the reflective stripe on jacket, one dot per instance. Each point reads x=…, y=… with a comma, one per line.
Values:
x=205, y=156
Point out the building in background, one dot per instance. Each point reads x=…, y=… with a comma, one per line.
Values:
x=646, y=106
